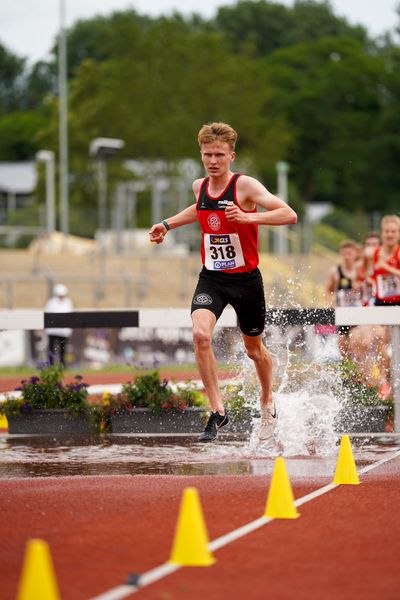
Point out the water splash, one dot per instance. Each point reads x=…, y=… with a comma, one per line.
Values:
x=305, y=393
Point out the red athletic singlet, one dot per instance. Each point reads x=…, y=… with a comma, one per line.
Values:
x=387, y=284
x=225, y=246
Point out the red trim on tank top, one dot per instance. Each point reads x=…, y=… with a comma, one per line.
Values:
x=236, y=200
x=222, y=193
x=201, y=187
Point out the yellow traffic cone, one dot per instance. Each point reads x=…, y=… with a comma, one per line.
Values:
x=346, y=472
x=280, y=501
x=3, y=422
x=190, y=547
x=38, y=579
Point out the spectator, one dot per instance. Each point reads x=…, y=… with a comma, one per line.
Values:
x=341, y=288
x=58, y=303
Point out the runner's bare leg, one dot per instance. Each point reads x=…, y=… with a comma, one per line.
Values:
x=203, y=327
x=263, y=363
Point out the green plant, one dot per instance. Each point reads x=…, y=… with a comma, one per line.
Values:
x=356, y=390
x=234, y=400
x=149, y=391
x=48, y=391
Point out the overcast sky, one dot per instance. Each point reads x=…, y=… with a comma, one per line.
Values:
x=28, y=27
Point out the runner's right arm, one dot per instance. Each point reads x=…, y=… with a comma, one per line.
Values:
x=186, y=216
x=331, y=285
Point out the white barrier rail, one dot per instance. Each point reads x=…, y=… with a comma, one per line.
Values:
x=176, y=318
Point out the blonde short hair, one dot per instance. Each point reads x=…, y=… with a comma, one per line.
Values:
x=349, y=244
x=390, y=219
x=217, y=131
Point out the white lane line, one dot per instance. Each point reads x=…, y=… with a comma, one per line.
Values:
x=379, y=463
x=158, y=573
x=238, y=533
x=315, y=494
x=123, y=591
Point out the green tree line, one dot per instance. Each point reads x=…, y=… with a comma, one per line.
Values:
x=299, y=84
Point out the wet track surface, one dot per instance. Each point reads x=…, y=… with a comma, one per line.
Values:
x=80, y=455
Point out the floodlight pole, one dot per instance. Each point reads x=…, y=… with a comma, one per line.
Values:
x=281, y=241
x=63, y=122
x=101, y=149
x=47, y=156
x=102, y=193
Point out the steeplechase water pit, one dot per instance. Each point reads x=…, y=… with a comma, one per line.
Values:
x=50, y=456
x=307, y=407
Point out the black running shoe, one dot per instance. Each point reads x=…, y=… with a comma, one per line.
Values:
x=214, y=424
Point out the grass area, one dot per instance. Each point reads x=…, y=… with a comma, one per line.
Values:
x=117, y=369
x=25, y=370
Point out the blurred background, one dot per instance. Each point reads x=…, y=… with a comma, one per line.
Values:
x=98, y=139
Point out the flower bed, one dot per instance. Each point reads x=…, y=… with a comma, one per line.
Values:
x=362, y=411
x=48, y=405
x=145, y=405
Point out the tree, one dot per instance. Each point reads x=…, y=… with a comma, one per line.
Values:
x=11, y=71
x=265, y=26
x=18, y=135
x=299, y=83
x=22, y=91
x=329, y=90
x=164, y=89
x=39, y=84
x=382, y=179
x=99, y=38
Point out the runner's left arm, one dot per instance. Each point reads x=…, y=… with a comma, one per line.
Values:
x=382, y=264
x=251, y=192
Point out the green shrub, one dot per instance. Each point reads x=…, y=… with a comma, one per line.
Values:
x=47, y=390
x=149, y=391
x=356, y=390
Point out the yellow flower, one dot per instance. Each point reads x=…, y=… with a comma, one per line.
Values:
x=106, y=398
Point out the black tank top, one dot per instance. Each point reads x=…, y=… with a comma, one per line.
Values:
x=344, y=283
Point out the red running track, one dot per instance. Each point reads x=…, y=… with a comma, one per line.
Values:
x=345, y=545
x=10, y=382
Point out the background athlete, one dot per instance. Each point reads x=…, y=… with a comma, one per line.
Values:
x=226, y=208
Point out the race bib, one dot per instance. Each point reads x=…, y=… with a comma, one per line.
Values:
x=348, y=298
x=387, y=286
x=223, y=251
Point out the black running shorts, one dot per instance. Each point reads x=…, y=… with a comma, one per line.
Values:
x=243, y=291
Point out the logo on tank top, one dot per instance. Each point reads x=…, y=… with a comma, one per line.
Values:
x=214, y=222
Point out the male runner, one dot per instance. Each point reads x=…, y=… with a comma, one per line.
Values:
x=226, y=209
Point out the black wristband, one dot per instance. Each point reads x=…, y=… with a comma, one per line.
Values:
x=167, y=227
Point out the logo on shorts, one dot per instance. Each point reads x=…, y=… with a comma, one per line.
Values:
x=214, y=221
x=202, y=299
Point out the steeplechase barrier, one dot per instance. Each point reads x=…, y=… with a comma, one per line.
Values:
x=21, y=319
